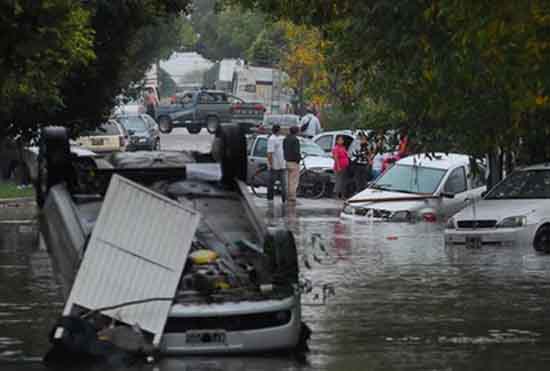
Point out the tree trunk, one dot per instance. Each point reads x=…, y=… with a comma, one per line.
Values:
x=495, y=168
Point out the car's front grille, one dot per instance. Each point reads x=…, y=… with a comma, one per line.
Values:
x=374, y=213
x=241, y=322
x=472, y=224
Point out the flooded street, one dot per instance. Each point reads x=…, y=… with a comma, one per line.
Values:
x=401, y=300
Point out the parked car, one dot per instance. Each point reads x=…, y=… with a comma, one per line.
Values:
x=326, y=140
x=420, y=187
x=109, y=137
x=285, y=121
x=143, y=132
x=314, y=157
x=195, y=110
x=515, y=212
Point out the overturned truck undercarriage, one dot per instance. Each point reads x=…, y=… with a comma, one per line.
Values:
x=165, y=252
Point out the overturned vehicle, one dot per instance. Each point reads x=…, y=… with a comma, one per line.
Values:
x=169, y=243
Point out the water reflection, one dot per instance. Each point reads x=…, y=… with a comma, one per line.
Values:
x=402, y=299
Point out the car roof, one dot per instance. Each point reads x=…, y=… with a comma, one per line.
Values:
x=301, y=139
x=543, y=166
x=438, y=160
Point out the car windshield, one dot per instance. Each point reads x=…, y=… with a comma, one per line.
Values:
x=522, y=185
x=410, y=179
x=108, y=128
x=133, y=123
x=311, y=149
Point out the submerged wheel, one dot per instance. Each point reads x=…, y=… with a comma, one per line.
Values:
x=53, y=161
x=165, y=125
x=231, y=148
x=212, y=124
x=282, y=255
x=542, y=239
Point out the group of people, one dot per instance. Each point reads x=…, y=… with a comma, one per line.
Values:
x=367, y=162
x=283, y=160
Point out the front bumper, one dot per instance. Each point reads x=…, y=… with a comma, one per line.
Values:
x=492, y=236
x=236, y=341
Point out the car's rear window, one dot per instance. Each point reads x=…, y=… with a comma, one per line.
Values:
x=108, y=128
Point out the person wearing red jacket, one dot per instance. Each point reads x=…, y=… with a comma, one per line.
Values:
x=341, y=164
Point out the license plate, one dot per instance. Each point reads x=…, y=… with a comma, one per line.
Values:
x=205, y=337
x=97, y=142
x=473, y=242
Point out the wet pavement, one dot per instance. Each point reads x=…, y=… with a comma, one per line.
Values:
x=402, y=300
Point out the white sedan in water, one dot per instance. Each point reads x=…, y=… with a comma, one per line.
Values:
x=419, y=188
x=515, y=212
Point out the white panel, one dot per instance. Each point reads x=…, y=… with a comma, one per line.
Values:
x=137, y=250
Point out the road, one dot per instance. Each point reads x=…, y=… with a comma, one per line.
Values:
x=179, y=139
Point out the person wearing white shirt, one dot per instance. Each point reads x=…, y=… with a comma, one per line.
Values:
x=276, y=163
x=310, y=125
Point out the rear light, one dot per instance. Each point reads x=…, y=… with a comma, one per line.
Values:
x=429, y=217
x=259, y=107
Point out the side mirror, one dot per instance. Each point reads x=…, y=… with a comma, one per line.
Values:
x=447, y=195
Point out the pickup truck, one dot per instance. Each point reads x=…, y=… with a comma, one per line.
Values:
x=195, y=110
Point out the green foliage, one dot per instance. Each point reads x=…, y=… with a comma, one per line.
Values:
x=64, y=61
x=9, y=190
x=167, y=84
x=466, y=73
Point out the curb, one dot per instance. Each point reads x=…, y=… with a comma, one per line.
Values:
x=15, y=202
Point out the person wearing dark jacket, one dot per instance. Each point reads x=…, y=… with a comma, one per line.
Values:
x=292, y=154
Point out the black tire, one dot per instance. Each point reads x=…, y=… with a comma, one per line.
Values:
x=194, y=128
x=165, y=125
x=542, y=239
x=54, y=161
x=312, y=185
x=212, y=123
x=282, y=257
x=232, y=153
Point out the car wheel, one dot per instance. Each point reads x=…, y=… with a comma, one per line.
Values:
x=231, y=148
x=542, y=239
x=282, y=257
x=194, y=129
x=212, y=124
x=165, y=125
x=54, y=161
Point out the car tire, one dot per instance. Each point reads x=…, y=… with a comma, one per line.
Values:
x=194, y=129
x=541, y=242
x=212, y=123
x=54, y=161
x=165, y=125
x=282, y=257
x=231, y=148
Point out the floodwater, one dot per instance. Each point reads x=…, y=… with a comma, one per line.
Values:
x=402, y=300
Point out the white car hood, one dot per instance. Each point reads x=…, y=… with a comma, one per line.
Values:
x=500, y=209
x=322, y=162
x=388, y=200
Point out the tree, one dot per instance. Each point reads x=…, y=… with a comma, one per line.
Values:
x=41, y=43
x=64, y=61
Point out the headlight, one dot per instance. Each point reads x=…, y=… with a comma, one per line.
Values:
x=348, y=209
x=513, y=222
x=143, y=140
x=401, y=216
x=451, y=224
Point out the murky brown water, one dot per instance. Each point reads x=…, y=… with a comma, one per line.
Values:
x=402, y=301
